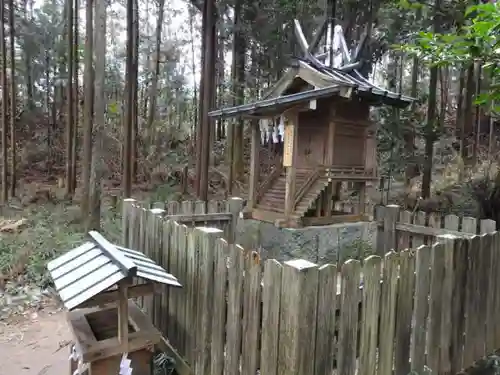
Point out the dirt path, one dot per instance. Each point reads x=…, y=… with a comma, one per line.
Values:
x=35, y=344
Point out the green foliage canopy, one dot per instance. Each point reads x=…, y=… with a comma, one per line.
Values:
x=476, y=41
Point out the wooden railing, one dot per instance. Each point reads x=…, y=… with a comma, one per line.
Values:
x=311, y=179
x=351, y=171
x=273, y=175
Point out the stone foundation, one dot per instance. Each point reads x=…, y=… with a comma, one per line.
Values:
x=321, y=245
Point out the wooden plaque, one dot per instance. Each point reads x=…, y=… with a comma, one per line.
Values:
x=288, y=145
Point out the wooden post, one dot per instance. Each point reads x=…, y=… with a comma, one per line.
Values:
x=123, y=314
x=127, y=208
x=185, y=178
x=329, y=193
x=204, y=297
x=290, y=160
x=362, y=197
x=254, y=166
x=390, y=220
x=235, y=205
x=330, y=144
x=299, y=296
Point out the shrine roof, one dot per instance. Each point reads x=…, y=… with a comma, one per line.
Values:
x=97, y=265
x=327, y=82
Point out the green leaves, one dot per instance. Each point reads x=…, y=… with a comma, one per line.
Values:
x=477, y=39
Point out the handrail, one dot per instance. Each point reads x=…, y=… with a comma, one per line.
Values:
x=311, y=179
x=273, y=175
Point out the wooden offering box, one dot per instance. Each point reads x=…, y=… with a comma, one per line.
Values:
x=95, y=282
x=96, y=334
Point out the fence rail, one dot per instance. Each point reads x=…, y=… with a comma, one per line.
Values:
x=400, y=229
x=433, y=306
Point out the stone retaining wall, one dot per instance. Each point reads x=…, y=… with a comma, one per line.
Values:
x=325, y=244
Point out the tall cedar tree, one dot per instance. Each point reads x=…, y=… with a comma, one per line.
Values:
x=3, y=52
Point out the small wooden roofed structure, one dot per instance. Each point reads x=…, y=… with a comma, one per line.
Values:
x=94, y=282
x=323, y=103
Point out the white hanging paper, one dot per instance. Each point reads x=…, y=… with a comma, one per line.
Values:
x=275, y=135
x=76, y=356
x=125, y=368
x=281, y=128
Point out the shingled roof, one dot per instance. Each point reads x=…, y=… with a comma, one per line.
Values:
x=97, y=265
x=326, y=79
x=328, y=82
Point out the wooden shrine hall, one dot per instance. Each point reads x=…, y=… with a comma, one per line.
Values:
x=324, y=104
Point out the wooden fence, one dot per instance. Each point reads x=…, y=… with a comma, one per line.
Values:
x=218, y=214
x=400, y=229
x=435, y=306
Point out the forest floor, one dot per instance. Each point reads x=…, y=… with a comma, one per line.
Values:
x=34, y=229
x=35, y=343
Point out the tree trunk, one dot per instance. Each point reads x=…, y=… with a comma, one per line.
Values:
x=69, y=101
x=193, y=69
x=88, y=110
x=477, y=111
x=201, y=102
x=468, y=115
x=239, y=54
x=459, y=121
x=98, y=165
x=27, y=61
x=129, y=88
x=13, y=97
x=431, y=126
x=409, y=136
x=154, y=82
x=74, y=151
x=220, y=78
x=3, y=52
x=208, y=94
x=135, y=101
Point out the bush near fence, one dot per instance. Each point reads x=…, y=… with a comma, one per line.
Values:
x=434, y=306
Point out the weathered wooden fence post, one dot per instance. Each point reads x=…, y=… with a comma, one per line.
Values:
x=235, y=205
x=207, y=238
x=219, y=307
x=127, y=207
x=271, y=300
x=299, y=296
x=234, y=306
x=390, y=219
x=349, y=317
x=155, y=253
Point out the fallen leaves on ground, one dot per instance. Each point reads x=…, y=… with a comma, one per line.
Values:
x=12, y=226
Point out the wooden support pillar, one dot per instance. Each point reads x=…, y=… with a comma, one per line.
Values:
x=362, y=197
x=330, y=141
x=329, y=203
x=319, y=201
x=290, y=160
x=254, y=165
x=123, y=314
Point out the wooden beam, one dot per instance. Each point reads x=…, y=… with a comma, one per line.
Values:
x=318, y=36
x=427, y=231
x=224, y=216
x=112, y=296
x=329, y=220
x=300, y=37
